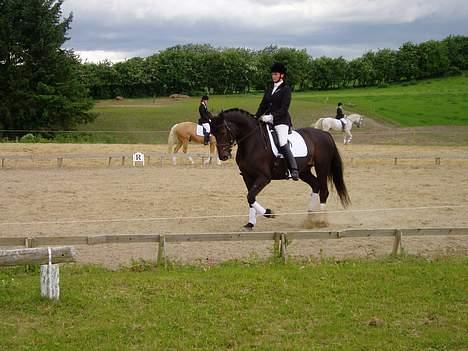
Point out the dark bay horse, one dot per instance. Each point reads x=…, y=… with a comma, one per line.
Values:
x=259, y=166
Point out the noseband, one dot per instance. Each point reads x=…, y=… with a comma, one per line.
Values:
x=232, y=140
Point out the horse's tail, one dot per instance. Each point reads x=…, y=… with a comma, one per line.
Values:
x=171, y=140
x=336, y=176
x=318, y=124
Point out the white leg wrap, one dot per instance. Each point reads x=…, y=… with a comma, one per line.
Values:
x=191, y=160
x=252, y=215
x=323, y=207
x=259, y=208
x=314, y=202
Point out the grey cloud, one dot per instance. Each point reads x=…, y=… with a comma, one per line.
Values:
x=330, y=38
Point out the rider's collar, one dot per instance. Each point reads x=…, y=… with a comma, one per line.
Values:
x=278, y=83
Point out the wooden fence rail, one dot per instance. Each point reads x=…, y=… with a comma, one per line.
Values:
x=161, y=156
x=106, y=157
x=281, y=239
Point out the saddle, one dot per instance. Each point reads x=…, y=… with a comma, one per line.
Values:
x=295, y=140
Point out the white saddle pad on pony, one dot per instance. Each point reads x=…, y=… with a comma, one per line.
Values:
x=200, y=130
x=296, y=143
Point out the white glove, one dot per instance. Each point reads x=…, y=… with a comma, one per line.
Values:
x=267, y=119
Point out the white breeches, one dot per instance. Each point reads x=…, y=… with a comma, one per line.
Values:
x=207, y=127
x=282, y=130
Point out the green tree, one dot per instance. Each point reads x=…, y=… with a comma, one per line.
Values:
x=40, y=83
x=457, y=46
x=433, y=59
x=407, y=61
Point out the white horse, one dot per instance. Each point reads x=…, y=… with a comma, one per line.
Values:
x=327, y=123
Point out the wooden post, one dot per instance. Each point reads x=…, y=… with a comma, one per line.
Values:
x=28, y=243
x=161, y=161
x=123, y=160
x=162, y=251
x=276, y=245
x=110, y=160
x=284, y=252
x=396, y=242
x=395, y=161
x=59, y=162
x=50, y=281
x=437, y=161
x=148, y=160
x=3, y=162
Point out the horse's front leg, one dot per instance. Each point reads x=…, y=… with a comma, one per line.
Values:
x=184, y=150
x=347, y=137
x=254, y=187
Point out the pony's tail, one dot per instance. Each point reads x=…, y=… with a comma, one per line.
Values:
x=336, y=176
x=171, y=140
x=318, y=124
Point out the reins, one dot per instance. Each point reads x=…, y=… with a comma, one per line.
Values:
x=233, y=141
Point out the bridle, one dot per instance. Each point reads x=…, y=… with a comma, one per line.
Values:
x=232, y=140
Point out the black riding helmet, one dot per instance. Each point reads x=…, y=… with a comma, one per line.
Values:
x=205, y=98
x=278, y=68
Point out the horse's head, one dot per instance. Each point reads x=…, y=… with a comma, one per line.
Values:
x=359, y=122
x=224, y=138
x=356, y=119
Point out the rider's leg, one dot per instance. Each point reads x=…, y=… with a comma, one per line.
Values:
x=206, y=132
x=282, y=131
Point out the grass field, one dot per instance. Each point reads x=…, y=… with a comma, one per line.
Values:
x=425, y=103
x=431, y=102
x=415, y=304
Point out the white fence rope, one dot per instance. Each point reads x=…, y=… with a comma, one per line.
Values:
x=149, y=219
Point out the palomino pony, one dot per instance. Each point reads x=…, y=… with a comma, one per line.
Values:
x=259, y=166
x=327, y=123
x=184, y=132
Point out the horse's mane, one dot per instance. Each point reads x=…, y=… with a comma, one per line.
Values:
x=239, y=110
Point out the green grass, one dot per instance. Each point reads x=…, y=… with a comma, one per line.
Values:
x=431, y=102
x=234, y=306
x=425, y=103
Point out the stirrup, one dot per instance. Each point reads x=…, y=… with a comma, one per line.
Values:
x=294, y=174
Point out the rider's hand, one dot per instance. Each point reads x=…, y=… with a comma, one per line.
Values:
x=267, y=119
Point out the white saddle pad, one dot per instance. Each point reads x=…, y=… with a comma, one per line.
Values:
x=200, y=130
x=296, y=143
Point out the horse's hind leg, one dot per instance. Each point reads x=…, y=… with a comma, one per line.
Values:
x=307, y=177
x=316, y=217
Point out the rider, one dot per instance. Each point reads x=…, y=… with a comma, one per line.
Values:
x=273, y=109
x=340, y=115
x=205, y=119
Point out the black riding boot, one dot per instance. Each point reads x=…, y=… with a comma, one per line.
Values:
x=292, y=165
x=206, y=140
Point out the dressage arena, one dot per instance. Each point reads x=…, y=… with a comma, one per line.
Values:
x=88, y=197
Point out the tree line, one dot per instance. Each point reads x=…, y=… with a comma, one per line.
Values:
x=196, y=69
x=46, y=87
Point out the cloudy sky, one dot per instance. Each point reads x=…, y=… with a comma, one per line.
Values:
x=121, y=29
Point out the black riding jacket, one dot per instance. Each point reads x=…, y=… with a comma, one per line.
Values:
x=276, y=104
x=205, y=116
x=339, y=112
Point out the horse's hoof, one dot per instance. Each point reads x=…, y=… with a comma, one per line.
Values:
x=248, y=227
x=269, y=213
